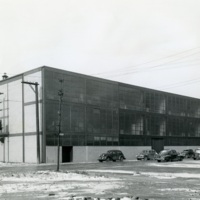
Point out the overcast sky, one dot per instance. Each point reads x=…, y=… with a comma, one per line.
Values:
x=149, y=43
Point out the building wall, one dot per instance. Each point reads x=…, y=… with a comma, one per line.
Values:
x=91, y=153
x=97, y=115
x=19, y=119
x=52, y=154
x=14, y=150
x=97, y=112
x=11, y=117
x=30, y=135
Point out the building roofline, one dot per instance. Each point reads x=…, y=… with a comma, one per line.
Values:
x=89, y=76
x=121, y=83
x=21, y=74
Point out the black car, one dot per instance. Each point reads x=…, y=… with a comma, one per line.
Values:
x=169, y=155
x=148, y=154
x=188, y=153
x=111, y=155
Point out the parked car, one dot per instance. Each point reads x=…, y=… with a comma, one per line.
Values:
x=111, y=155
x=188, y=153
x=169, y=155
x=196, y=154
x=149, y=154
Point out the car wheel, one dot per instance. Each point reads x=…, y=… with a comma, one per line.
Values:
x=158, y=160
x=100, y=160
x=121, y=158
x=145, y=158
x=107, y=159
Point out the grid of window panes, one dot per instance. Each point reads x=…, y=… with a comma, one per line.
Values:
x=177, y=126
x=73, y=117
x=131, y=123
x=183, y=106
x=181, y=141
x=130, y=140
x=102, y=126
x=52, y=84
x=102, y=121
x=89, y=110
x=73, y=87
x=96, y=112
x=177, y=106
x=101, y=93
x=193, y=127
x=155, y=125
x=130, y=98
x=155, y=102
x=193, y=108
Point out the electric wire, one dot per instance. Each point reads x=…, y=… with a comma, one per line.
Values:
x=154, y=67
x=151, y=61
x=181, y=84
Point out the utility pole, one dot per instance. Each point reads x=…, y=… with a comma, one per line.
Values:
x=60, y=94
x=37, y=116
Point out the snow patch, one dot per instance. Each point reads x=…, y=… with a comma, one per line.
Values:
x=179, y=190
x=59, y=183
x=194, y=164
x=152, y=174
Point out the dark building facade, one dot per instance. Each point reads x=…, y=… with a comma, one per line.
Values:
x=98, y=114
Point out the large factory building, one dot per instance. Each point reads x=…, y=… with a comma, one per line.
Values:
x=95, y=115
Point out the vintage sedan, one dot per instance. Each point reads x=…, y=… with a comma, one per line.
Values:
x=188, y=153
x=149, y=154
x=112, y=155
x=169, y=155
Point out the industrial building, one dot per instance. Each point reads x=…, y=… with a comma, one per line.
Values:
x=95, y=115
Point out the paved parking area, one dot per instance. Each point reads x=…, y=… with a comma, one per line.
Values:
x=137, y=179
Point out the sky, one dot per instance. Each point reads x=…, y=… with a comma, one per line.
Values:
x=149, y=43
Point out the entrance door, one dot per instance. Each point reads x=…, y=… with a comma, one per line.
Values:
x=157, y=144
x=67, y=154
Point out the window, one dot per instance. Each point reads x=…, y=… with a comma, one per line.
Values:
x=130, y=98
x=131, y=123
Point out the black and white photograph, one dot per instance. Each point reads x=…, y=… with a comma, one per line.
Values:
x=100, y=99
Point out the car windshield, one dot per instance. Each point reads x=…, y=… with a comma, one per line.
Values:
x=144, y=151
x=164, y=152
x=112, y=152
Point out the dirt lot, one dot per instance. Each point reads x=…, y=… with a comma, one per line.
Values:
x=127, y=180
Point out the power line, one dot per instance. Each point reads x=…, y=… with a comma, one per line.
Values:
x=135, y=68
x=180, y=84
x=132, y=71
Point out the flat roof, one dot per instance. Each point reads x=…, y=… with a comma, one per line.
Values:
x=91, y=77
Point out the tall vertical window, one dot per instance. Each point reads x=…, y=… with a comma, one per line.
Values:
x=130, y=98
x=131, y=123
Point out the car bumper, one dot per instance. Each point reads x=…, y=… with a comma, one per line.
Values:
x=140, y=158
x=160, y=159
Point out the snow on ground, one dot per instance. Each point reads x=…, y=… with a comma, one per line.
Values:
x=49, y=176
x=66, y=183
x=178, y=189
x=62, y=183
x=3, y=164
x=189, y=164
x=152, y=174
